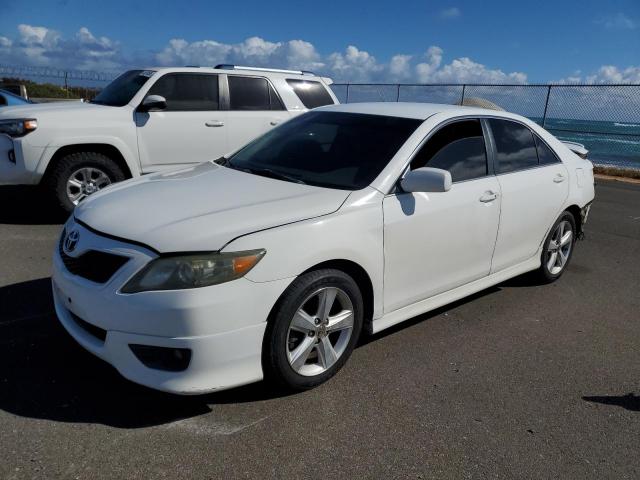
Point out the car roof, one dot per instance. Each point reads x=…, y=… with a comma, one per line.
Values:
x=420, y=111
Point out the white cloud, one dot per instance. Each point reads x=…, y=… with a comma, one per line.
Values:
x=605, y=74
x=354, y=64
x=453, y=12
x=39, y=45
x=619, y=21
x=400, y=67
x=42, y=46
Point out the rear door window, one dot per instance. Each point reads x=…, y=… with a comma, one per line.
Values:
x=545, y=154
x=188, y=92
x=252, y=93
x=515, y=147
x=459, y=148
x=311, y=94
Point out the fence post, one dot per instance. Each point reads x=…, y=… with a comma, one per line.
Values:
x=346, y=100
x=66, y=87
x=398, y=94
x=464, y=86
x=546, y=106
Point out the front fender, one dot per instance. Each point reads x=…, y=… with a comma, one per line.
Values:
x=130, y=156
x=354, y=233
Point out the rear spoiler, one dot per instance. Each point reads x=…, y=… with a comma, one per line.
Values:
x=577, y=148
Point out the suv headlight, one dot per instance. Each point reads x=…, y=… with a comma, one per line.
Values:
x=192, y=271
x=18, y=127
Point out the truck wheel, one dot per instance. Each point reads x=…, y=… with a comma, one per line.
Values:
x=78, y=175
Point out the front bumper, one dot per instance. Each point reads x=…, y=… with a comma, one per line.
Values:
x=222, y=325
x=18, y=167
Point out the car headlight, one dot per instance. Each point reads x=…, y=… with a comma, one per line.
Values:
x=192, y=271
x=18, y=127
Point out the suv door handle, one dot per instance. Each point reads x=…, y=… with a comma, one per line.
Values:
x=559, y=178
x=488, y=196
x=214, y=123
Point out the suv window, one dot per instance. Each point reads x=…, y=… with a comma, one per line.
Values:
x=120, y=92
x=545, y=154
x=188, y=92
x=515, y=148
x=459, y=148
x=311, y=94
x=252, y=93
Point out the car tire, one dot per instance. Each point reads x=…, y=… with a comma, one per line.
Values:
x=95, y=168
x=555, y=258
x=293, y=327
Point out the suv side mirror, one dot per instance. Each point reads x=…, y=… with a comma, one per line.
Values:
x=153, y=102
x=426, y=179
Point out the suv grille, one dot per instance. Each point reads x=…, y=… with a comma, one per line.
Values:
x=93, y=265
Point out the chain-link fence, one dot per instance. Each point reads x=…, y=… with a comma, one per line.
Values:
x=605, y=118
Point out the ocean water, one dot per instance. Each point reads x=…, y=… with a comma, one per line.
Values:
x=609, y=143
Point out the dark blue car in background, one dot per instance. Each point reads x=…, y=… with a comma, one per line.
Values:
x=8, y=99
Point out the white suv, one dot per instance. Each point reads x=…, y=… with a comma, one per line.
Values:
x=146, y=121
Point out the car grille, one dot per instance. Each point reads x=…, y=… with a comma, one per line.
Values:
x=93, y=265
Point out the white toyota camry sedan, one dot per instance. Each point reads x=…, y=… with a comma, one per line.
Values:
x=271, y=261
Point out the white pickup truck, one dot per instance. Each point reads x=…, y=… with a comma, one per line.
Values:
x=149, y=120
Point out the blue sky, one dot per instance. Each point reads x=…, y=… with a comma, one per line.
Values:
x=417, y=41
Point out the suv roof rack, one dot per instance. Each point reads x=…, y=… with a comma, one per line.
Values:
x=227, y=66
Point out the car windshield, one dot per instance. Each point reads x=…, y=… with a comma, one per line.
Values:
x=328, y=149
x=120, y=92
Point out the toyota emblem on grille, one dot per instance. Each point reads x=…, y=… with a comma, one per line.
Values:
x=71, y=241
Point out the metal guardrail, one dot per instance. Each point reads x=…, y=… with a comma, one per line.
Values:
x=605, y=118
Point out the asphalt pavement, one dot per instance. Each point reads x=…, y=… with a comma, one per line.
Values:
x=520, y=381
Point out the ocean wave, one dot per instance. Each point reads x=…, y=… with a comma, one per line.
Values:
x=626, y=124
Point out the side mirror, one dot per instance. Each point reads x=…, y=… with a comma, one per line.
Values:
x=426, y=179
x=153, y=102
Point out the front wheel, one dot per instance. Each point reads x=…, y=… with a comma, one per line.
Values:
x=558, y=248
x=78, y=175
x=313, y=329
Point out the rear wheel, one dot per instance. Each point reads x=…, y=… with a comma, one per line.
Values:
x=558, y=248
x=78, y=175
x=314, y=329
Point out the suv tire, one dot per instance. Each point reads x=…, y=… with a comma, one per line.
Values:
x=81, y=174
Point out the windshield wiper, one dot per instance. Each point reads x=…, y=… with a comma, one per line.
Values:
x=267, y=172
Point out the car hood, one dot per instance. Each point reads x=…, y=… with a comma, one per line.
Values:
x=202, y=208
x=33, y=109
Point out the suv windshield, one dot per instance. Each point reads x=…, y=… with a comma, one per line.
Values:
x=120, y=92
x=327, y=149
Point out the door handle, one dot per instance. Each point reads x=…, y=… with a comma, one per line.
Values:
x=214, y=123
x=559, y=178
x=488, y=197
x=273, y=123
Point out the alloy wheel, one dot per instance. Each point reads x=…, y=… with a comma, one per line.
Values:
x=559, y=247
x=85, y=181
x=319, y=331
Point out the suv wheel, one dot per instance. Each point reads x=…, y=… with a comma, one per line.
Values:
x=314, y=329
x=78, y=175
